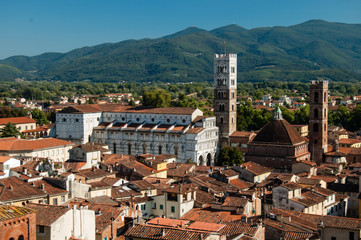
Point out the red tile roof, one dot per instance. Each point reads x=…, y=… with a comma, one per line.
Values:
x=16, y=120
x=143, y=231
x=167, y=222
x=14, y=144
x=43, y=218
x=280, y=132
x=211, y=216
x=204, y=226
x=256, y=168
x=14, y=189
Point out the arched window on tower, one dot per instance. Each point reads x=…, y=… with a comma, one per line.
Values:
x=221, y=119
x=315, y=127
x=325, y=113
x=324, y=97
x=316, y=97
x=315, y=113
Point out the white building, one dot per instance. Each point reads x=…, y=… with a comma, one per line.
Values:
x=183, y=132
x=64, y=222
x=6, y=163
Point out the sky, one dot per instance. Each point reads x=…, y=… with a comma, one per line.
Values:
x=33, y=27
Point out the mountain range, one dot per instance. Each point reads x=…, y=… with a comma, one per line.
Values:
x=302, y=52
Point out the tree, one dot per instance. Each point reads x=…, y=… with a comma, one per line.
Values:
x=10, y=130
x=40, y=117
x=156, y=98
x=230, y=156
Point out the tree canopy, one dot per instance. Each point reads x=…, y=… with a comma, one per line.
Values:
x=230, y=156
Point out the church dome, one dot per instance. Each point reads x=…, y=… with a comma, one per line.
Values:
x=278, y=131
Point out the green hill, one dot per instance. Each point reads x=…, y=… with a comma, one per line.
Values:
x=314, y=49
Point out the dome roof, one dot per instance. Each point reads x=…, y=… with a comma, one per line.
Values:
x=278, y=131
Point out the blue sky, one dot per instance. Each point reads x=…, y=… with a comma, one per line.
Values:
x=32, y=27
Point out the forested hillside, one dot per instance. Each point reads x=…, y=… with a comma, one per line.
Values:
x=314, y=49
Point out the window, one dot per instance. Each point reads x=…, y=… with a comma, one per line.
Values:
x=315, y=113
x=172, y=209
x=232, y=69
x=154, y=205
x=351, y=235
x=232, y=94
x=161, y=206
x=232, y=82
x=315, y=127
x=142, y=207
x=333, y=238
x=41, y=229
x=62, y=198
x=316, y=97
x=114, y=148
x=21, y=237
x=129, y=149
x=55, y=201
x=159, y=149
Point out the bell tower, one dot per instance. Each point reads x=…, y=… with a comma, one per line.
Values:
x=225, y=95
x=318, y=129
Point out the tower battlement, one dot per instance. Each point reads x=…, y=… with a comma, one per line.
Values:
x=225, y=56
x=319, y=82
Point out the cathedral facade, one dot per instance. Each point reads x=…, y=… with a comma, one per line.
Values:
x=183, y=132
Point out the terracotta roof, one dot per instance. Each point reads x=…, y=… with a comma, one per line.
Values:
x=297, y=235
x=43, y=218
x=210, y=215
x=4, y=159
x=256, y=168
x=141, y=185
x=49, y=188
x=160, y=232
x=182, y=188
x=237, y=228
x=14, y=144
x=333, y=221
x=93, y=173
x=240, y=184
x=348, y=141
x=124, y=192
x=13, y=189
x=74, y=166
x=280, y=132
x=195, y=130
x=92, y=147
x=203, y=198
x=238, y=202
x=167, y=222
x=241, y=134
x=291, y=185
x=8, y=212
x=179, y=169
x=16, y=120
x=327, y=179
x=309, y=199
x=204, y=226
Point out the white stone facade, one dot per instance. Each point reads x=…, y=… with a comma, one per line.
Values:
x=183, y=132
